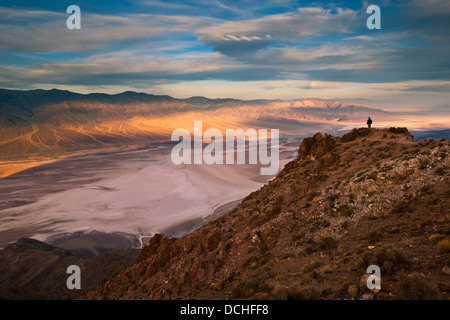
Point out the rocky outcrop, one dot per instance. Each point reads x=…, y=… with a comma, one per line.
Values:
x=355, y=134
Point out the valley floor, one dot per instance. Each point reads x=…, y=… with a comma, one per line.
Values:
x=133, y=194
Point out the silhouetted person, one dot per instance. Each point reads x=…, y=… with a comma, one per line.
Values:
x=369, y=123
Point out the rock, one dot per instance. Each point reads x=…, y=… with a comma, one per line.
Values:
x=415, y=274
x=307, y=144
x=446, y=270
x=318, y=147
x=363, y=282
x=352, y=291
x=368, y=296
x=326, y=292
x=354, y=134
x=444, y=286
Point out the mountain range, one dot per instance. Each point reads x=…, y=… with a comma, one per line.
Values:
x=40, y=123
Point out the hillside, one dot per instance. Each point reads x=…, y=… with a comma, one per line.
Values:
x=31, y=269
x=370, y=197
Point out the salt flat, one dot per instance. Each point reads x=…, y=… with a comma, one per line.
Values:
x=139, y=192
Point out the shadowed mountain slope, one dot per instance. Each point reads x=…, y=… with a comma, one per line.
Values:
x=30, y=269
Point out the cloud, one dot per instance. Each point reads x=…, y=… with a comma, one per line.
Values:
x=227, y=37
x=441, y=87
x=130, y=67
x=323, y=85
x=360, y=38
x=46, y=31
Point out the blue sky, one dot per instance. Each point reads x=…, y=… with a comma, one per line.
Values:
x=278, y=49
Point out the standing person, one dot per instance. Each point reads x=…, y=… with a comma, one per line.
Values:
x=369, y=123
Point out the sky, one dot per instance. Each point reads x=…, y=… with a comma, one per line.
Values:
x=279, y=49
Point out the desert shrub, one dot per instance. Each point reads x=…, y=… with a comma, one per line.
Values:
x=435, y=238
x=388, y=259
x=288, y=256
x=415, y=288
x=423, y=163
x=351, y=198
x=423, y=223
x=311, y=248
x=321, y=223
x=345, y=225
x=280, y=292
x=251, y=285
x=316, y=265
x=228, y=245
x=426, y=190
x=361, y=173
x=386, y=168
x=441, y=171
x=333, y=197
x=373, y=175
x=400, y=207
x=434, y=201
x=443, y=246
x=328, y=243
x=274, y=207
x=262, y=296
x=304, y=293
x=212, y=241
x=372, y=193
x=375, y=235
x=324, y=244
x=320, y=271
x=306, y=268
x=312, y=195
x=345, y=211
x=263, y=247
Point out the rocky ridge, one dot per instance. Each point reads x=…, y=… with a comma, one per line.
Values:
x=371, y=197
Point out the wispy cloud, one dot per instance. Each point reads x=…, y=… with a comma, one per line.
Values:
x=259, y=33
x=45, y=31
